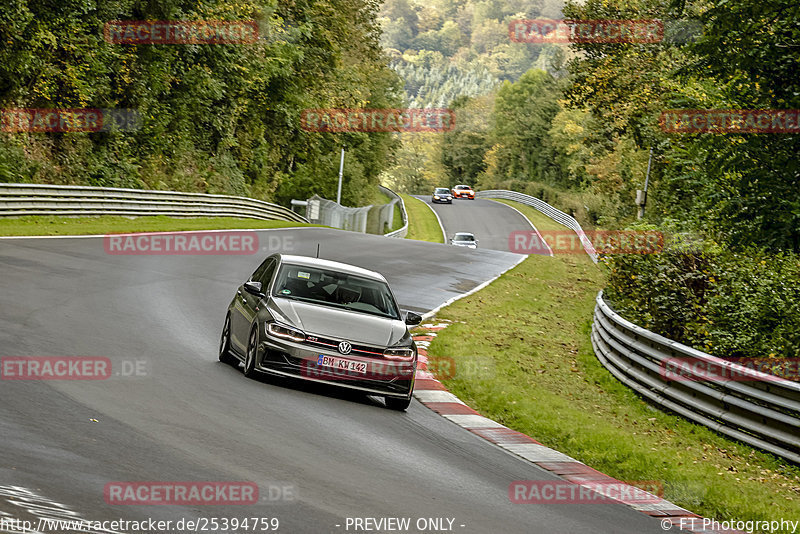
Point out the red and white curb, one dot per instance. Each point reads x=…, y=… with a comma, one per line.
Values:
x=433, y=394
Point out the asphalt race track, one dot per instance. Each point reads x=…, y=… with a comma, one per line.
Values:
x=319, y=456
x=491, y=222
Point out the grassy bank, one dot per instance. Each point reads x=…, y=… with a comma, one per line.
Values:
x=397, y=218
x=540, y=377
x=422, y=223
x=112, y=225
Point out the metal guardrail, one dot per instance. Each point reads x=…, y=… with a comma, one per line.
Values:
x=18, y=200
x=763, y=411
x=365, y=219
x=402, y=231
x=546, y=209
x=329, y=213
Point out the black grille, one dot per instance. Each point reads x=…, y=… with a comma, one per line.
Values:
x=333, y=344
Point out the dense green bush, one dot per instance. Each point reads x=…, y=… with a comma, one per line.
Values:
x=730, y=304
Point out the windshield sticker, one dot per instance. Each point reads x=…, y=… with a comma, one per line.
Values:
x=301, y=274
x=286, y=292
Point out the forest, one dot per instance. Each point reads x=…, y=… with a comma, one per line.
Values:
x=578, y=128
x=576, y=124
x=213, y=117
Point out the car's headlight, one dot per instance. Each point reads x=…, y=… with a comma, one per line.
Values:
x=436, y=197
x=399, y=353
x=285, y=332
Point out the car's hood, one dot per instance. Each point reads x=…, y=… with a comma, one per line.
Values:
x=338, y=324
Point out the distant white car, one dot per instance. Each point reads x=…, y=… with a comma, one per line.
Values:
x=464, y=239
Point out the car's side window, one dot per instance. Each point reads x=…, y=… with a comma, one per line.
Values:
x=266, y=274
x=258, y=275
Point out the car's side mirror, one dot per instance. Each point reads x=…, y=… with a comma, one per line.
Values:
x=413, y=318
x=253, y=288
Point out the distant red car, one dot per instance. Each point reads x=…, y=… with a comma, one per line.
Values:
x=463, y=191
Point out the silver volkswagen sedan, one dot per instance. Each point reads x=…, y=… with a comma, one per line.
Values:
x=322, y=321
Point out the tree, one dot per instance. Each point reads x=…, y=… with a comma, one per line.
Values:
x=463, y=148
x=523, y=113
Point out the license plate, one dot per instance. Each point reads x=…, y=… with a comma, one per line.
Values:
x=340, y=364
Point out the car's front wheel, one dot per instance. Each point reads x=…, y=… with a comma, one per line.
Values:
x=252, y=353
x=400, y=405
x=225, y=355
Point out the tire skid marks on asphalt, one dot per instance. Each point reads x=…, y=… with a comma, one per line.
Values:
x=434, y=395
x=46, y=513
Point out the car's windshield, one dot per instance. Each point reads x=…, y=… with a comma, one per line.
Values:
x=464, y=237
x=335, y=289
x=441, y=191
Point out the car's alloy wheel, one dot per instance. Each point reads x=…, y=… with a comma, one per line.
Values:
x=397, y=404
x=250, y=358
x=225, y=355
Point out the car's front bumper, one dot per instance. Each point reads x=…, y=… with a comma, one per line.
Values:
x=393, y=378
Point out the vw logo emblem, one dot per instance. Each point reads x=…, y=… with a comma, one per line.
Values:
x=345, y=347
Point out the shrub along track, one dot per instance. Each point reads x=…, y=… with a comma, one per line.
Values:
x=530, y=328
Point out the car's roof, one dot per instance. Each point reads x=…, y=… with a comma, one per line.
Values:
x=463, y=185
x=330, y=265
x=464, y=233
x=446, y=189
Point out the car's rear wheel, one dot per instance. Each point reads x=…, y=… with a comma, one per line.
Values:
x=252, y=352
x=225, y=355
x=400, y=405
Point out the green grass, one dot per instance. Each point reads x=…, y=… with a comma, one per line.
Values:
x=381, y=198
x=530, y=331
x=397, y=218
x=107, y=225
x=422, y=223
